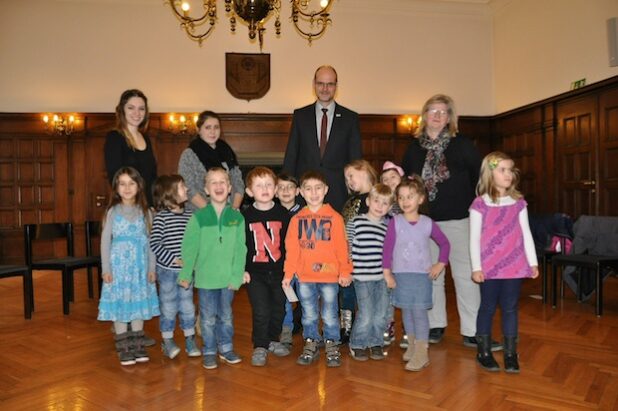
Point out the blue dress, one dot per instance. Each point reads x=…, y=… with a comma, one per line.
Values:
x=130, y=296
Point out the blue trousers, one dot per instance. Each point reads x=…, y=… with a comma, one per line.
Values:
x=504, y=293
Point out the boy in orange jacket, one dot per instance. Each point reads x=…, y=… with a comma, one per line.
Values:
x=317, y=253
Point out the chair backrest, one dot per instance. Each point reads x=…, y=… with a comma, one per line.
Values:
x=93, y=230
x=596, y=235
x=47, y=232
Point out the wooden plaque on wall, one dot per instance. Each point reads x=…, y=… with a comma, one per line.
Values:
x=247, y=76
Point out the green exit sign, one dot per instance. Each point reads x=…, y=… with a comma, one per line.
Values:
x=578, y=84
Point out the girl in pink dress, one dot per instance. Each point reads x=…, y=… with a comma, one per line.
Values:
x=502, y=253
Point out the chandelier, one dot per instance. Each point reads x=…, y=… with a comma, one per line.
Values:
x=309, y=23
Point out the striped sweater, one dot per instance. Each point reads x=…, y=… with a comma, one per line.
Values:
x=366, y=239
x=166, y=237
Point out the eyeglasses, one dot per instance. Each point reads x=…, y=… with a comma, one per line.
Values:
x=322, y=85
x=436, y=112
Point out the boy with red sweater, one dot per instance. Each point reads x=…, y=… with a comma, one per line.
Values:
x=317, y=253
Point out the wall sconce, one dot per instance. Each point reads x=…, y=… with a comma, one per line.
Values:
x=61, y=124
x=182, y=123
x=411, y=122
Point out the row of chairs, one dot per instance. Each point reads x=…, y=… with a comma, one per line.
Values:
x=66, y=265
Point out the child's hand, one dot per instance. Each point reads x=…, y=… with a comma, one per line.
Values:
x=478, y=276
x=184, y=284
x=246, y=278
x=435, y=270
x=345, y=281
x=535, y=271
x=390, y=280
x=178, y=262
x=152, y=277
x=285, y=283
x=107, y=277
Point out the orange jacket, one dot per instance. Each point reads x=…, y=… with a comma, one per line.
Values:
x=316, y=247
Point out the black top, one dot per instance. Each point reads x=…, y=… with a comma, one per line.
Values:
x=118, y=154
x=354, y=206
x=265, y=232
x=455, y=194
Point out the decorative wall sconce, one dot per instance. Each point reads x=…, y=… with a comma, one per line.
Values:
x=61, y=124
x=411, y=122
x=309, y=23
x=182, y=123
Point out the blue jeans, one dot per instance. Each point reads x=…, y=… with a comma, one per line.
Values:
x=310, y=295
x=216, y=320
x=288, y=320
x=373, y=302
x=174, y=300
x=503, y=292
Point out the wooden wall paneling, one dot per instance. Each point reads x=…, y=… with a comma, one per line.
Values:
x=547, y=162
x=577, y=155
x=608, y=152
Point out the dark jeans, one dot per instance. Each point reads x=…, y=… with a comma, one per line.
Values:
x=347, y=298
x=267, y=306
x=506, y=294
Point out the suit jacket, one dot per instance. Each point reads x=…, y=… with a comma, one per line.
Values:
x=344, y=145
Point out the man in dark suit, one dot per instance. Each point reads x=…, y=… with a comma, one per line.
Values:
x=325, y=136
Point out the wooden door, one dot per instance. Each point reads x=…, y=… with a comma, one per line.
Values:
x=577, y=156
x=98, y=188
x=608, y=153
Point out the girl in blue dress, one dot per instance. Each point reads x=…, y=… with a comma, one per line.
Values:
x=129, y=293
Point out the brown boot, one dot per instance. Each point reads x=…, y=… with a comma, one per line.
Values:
x=407, y=356
x=420, y=359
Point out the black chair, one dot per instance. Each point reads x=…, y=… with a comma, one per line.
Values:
x=26, y=274
x=35, y=233
x=594, y=250
x=93, y=229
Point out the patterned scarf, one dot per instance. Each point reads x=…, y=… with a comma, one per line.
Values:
x=434, y=170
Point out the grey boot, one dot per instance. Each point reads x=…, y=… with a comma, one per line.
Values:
x=484, y=357
x=333, y=356
x=420, y=359
x=511, y=365
x=139, y=350
x=123, y=347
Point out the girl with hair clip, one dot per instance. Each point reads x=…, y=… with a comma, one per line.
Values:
x=503, y=254
x=129, y=294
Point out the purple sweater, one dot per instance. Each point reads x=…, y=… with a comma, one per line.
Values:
x=436, y=235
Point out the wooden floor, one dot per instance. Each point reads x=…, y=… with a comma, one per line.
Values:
x=569, y=360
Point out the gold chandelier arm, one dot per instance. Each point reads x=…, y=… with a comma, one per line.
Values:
x=190, y=24
x=298, y=7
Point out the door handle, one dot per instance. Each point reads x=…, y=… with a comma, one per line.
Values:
x=100, y=200
x=589, y=183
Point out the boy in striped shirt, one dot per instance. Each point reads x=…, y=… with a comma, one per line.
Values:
x=366, y=239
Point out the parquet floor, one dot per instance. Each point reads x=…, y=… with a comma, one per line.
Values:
x=569, y=361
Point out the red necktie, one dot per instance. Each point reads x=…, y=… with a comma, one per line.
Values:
x=323, y=132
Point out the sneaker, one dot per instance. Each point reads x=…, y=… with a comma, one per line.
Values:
x=310, y=353
x=359, y=354
x=230, y=357
x=389, y=334
x=333, y=356
x=191, y=347
x=376, y=353
x=286, y=336
x=471, y=342
x=169, y=348
x=278, y=349
x=435, y=335
x=209, y=362
x=258, y=359
x=403, y=343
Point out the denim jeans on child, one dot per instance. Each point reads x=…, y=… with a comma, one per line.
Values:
x=175, y=300
x=372, y=300
x=288, y=320
x=310, y=296
x=267, y=306
x=506, y=293
x=216, y=320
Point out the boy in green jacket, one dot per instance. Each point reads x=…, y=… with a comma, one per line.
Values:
x=214, y=248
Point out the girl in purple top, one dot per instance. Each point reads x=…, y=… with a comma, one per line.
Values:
x=502, y=253
x=408, y=269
